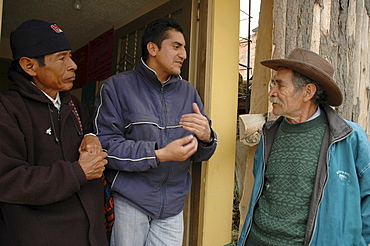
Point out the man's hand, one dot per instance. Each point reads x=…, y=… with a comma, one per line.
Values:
x=93, y=165
x=91, y=144
x=178, y=150
x=197, y=124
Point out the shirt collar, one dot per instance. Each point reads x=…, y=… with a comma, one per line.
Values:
x=316, y=114
x=56, y=102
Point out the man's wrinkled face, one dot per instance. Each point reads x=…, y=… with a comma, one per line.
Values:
x=58, y=74
x=285, y=98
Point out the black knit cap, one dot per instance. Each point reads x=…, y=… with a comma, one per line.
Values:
x=35, y=38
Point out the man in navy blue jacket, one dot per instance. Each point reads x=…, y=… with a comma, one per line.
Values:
x=152, y=124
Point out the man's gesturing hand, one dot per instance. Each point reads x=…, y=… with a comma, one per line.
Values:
x=178, y=150
x=197, y=124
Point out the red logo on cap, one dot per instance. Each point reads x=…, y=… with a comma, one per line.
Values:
x=56, y=28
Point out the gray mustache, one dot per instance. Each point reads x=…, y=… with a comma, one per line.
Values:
x=275, y=100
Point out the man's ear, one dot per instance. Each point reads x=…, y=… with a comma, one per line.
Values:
x=310, y=91
x=28, y=65
x=152, y=49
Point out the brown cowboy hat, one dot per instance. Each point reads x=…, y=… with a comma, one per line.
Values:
x=313, y=66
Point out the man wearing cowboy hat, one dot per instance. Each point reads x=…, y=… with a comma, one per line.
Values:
x=312, y=175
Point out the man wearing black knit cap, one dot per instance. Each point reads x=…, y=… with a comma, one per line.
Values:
x=311, y=168
x=51, y=191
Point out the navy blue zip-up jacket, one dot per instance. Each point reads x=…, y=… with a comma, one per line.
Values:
x=135, y=115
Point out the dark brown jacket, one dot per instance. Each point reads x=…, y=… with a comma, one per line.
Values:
x=45, y=198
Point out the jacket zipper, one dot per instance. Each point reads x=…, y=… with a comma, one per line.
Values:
x=326, y=182
x=164, y=114
x=163, y=195
x=165, y=142
x=52, y=123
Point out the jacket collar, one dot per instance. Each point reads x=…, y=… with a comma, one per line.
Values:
x=152, y=75
x=28, y=90
x=338, y=127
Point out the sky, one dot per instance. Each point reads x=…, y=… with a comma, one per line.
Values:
x=244, y=10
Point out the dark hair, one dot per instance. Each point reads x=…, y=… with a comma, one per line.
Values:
x=156, y=32
x=299, y=81
x=14, y=66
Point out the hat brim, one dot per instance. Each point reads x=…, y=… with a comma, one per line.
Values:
x=335, y=96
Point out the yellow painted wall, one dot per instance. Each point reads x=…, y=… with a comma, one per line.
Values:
x=219, y=171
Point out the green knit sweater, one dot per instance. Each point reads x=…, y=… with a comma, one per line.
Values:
x=282, y=210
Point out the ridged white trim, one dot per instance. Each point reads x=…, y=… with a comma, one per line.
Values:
x=151, y=123
x=114, y=180
x=98, y=110
x=153, y=70
x=130, y=159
